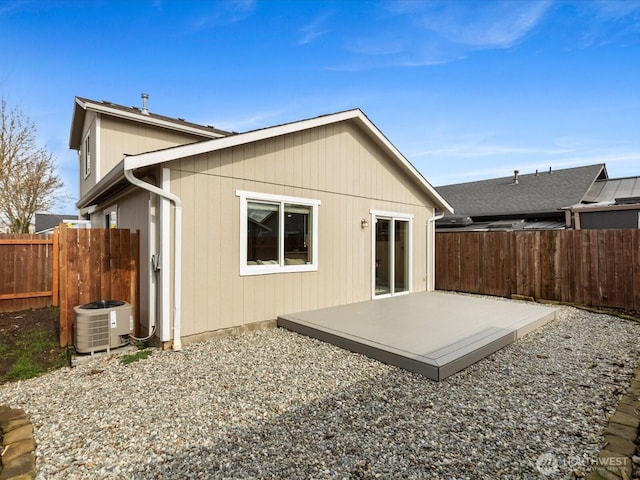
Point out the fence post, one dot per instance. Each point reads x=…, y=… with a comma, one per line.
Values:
x=64, y=285
x=55, y=267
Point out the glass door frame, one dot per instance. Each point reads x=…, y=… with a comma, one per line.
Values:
x=392, y=217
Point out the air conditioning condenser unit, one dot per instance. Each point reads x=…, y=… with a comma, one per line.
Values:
x=102, y=325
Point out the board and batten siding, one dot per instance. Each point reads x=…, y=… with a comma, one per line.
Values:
x=337, y=164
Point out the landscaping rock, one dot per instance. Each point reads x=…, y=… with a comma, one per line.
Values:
x=619, y=445
x=625, y=419
x=20, y=468
x=622, y=431
x=23, y=432
x=16, y=449
x=12, y=418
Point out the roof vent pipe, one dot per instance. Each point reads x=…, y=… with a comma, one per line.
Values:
x=515, y=177
x=145, y=99
x=549, y=170
x=537, y=174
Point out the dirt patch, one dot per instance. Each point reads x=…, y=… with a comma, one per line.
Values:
x=29, y=344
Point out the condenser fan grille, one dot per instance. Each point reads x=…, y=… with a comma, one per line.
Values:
x=92, y=332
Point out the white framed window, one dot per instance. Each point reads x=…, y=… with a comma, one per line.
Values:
x=278, y=234
x=86, y=156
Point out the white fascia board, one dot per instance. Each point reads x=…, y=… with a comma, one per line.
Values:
x=141, y=118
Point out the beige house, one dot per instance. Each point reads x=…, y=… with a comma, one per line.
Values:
x=239, y=228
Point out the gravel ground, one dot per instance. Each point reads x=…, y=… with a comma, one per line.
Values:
x=275, y=404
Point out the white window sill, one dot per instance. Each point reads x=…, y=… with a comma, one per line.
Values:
x=271, y=269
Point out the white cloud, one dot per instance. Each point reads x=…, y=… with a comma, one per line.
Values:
x=421, y=33
x=315, y=29
x=224, y=13
x=478, y=25
x=613, y=9
x=610, y=22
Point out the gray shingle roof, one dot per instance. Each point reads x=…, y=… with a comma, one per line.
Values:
x=45, y=221
x=177, y=121
x=543, y=193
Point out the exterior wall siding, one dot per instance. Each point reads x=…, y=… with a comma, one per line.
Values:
x=90, y=180
x=133, y=213
x=336, y=164
x=120, y=137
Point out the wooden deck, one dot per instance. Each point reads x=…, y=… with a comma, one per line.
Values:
x=435, y=334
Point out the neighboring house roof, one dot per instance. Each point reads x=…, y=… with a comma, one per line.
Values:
x=612, y=190
x=46, y=221
x=534, y=194
x=82, y=105
x=153, y=158
x=502, y=225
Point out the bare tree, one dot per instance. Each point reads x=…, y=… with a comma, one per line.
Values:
x=28, y=179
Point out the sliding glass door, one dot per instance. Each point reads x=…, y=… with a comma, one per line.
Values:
x=401, y=256
x=391, y=249
x=383, y=257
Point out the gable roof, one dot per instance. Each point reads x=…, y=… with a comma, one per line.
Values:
x=534, y=194
x=153, y=158
x=83, y=105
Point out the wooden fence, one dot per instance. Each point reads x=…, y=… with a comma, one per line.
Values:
x=28, y=271
x=96, y=264
x=71, y=267
x=600, y=268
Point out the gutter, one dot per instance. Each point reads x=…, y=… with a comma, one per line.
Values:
x=177, y=239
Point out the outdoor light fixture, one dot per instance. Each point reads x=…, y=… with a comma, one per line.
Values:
x=364, y=223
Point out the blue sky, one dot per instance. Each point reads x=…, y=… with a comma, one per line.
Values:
x=466, y=90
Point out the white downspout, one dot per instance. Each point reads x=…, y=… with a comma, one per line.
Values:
x=431, y=274
x=177, y=242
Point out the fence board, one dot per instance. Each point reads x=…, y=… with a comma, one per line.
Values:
x=567, y=267
x=627, y=270
x=582, y=270
x=55, y=280
x=94, y=264
x=84, y=265
x=636, y=269
x=600, y=268
x=522, y=263
x=468, y=250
